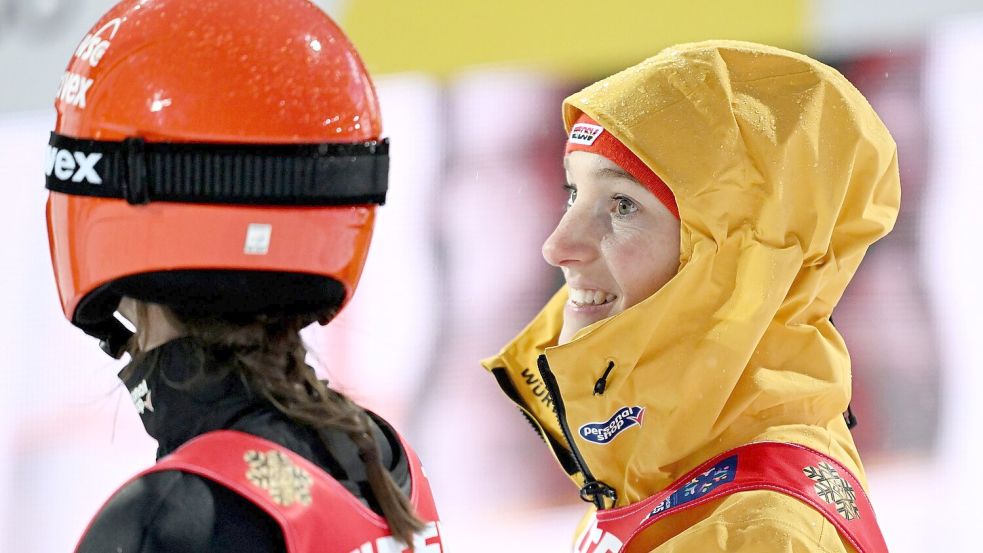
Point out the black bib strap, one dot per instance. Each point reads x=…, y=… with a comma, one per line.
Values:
x=293, y=174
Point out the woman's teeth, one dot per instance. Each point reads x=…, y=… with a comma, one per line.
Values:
x=589, y=297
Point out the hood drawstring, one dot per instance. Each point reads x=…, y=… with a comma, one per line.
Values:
x=602, y=382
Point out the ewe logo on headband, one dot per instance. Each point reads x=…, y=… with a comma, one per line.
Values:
x=603, y=432
x=585, y=133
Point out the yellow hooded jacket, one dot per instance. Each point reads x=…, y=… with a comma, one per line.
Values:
x=784, y=176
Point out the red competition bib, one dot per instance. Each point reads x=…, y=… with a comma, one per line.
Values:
x=315, y=512
x=807, y=475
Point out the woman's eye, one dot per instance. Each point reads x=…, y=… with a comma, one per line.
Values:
x=571, y=195
x=625, y=207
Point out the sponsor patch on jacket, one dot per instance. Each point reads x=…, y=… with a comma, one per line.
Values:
x=604, y=432
x=585, y=133
x=700, y=485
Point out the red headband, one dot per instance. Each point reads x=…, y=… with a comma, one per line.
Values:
x=587, y=136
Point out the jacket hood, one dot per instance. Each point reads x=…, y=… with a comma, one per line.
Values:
x=784, y=176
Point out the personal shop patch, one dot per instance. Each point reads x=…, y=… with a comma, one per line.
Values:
x=603, y=432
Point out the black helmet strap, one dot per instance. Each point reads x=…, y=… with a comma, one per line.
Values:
x=112, y=336
x=277, y=174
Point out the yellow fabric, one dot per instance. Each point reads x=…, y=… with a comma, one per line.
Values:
x=444, y=38
x=784, y=176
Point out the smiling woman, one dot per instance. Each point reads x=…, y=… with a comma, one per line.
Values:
x=695, y=385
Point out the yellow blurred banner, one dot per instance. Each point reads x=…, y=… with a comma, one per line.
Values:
x=572, y=37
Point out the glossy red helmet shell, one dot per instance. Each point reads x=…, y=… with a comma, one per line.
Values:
x=276, y=72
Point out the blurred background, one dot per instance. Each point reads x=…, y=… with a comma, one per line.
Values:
x=471, y=94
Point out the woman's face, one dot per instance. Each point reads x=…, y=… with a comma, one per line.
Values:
x=616, y=244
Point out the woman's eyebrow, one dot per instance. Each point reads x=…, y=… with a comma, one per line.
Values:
x=617, y=172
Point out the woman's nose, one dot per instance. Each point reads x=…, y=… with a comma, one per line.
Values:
x=572, y=241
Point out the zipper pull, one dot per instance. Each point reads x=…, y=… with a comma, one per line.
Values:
x=596, y=491
x=602, y=382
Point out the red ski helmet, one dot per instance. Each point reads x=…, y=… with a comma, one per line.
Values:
x=219, y=156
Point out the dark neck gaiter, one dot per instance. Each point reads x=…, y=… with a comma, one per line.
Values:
x=179, y=394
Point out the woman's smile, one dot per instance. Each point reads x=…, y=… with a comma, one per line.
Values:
x=586, y=306
x=590, y=298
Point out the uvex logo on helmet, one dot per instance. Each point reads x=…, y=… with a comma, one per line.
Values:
x=604, y=432
x=67, y=165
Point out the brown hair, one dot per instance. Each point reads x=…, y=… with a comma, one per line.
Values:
x=269, y=355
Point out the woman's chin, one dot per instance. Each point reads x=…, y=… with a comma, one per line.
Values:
x=576, y=317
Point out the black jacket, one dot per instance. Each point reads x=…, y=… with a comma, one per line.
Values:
x=172, y=511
